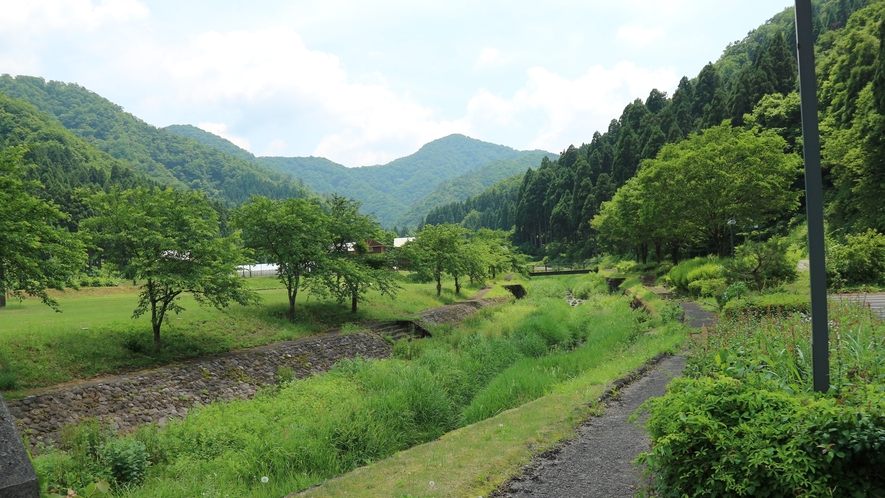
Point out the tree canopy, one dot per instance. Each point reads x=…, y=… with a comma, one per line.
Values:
x=169, y=240
x=695, y=187
x=292, y=233
x=37, y=252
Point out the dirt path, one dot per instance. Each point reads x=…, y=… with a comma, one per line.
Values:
x=696, y=317
x=598, y=463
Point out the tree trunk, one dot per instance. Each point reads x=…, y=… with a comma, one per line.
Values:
x=353, y=300
x=156, y=327
x=457, y=286
x=438, y=284
x=3, y=298
x=674, y=253
x=293, y=294
x=659, y=251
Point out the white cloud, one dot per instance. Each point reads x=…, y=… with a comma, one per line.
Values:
x=220, y=129
x=275, y=148
x=37, y=16
x=639, y=36
x=367, y=122
x=487, y=57
x=571, y=109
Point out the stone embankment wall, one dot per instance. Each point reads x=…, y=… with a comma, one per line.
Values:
x=127, y=401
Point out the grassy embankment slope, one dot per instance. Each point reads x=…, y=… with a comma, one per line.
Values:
x=497, y=364
x=95, y=334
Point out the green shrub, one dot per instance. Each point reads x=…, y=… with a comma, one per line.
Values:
x=859, y=261
x=707, y=287
x=126, y=459
x=406, y=349
x=776, y=304
x=586, y=287
x=683, y=274
x=762, y=264
x=727, y=437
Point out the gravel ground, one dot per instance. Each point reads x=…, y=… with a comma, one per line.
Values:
x=598, y=463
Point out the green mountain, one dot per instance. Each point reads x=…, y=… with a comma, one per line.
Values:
x=210, y=139
x=399, y=193
x=390, y=190
x=469, y=184
x=165, y=157
x=63, y=162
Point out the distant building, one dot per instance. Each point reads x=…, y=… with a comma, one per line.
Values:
x=261, y=270
x=401, y=241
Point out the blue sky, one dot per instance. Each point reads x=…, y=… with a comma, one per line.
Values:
x=365, y=82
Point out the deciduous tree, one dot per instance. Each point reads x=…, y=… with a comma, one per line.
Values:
x=36, y=252
x=168, y=239
x=292, y=233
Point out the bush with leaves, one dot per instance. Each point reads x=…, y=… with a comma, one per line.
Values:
x=684, y=274
x=859, y=261
x=126, y=459
x=762, y=264
x=723, y=436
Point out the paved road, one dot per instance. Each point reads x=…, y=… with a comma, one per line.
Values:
x=599, y=463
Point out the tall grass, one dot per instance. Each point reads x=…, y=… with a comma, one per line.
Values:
x=361, y=411
x=779, y=348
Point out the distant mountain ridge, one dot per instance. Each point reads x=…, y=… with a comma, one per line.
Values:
x=401, y=192
x=184, y=156
x=391, y=190
x=167, y=158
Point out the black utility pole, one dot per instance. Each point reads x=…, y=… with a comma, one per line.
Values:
x=813, y=197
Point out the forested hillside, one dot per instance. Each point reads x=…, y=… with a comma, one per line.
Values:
x=164, y=157
x=210, y=139
x=470, y=184
x=752, y=85
x=390, y=190
x=62, y=162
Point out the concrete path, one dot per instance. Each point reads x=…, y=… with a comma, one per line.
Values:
x=599, y=463
x=695, y=316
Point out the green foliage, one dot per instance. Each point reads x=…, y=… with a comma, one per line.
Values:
x=390, y=190
x=438, y=250
x=686, y=272
x=762, y=263
x=348, y=270
x=167, y=158
x=292, y=233
x=859, y=261
x=36, y=253
x=726, y=437
x=707, y=287
x=774, y=304
x=361, y=411
x=170, y=240
x=126, y=459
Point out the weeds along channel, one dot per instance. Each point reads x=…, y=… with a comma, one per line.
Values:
x=306, y=431
x=743, y=420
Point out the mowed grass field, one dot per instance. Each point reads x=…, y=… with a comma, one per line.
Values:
x=95, y=334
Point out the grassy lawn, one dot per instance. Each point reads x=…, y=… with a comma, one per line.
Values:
x=95, y=334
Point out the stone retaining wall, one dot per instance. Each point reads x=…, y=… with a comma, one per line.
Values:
x=169, y=392
x=126, y=401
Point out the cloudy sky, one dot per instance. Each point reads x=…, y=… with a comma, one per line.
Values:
x=365, y=82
